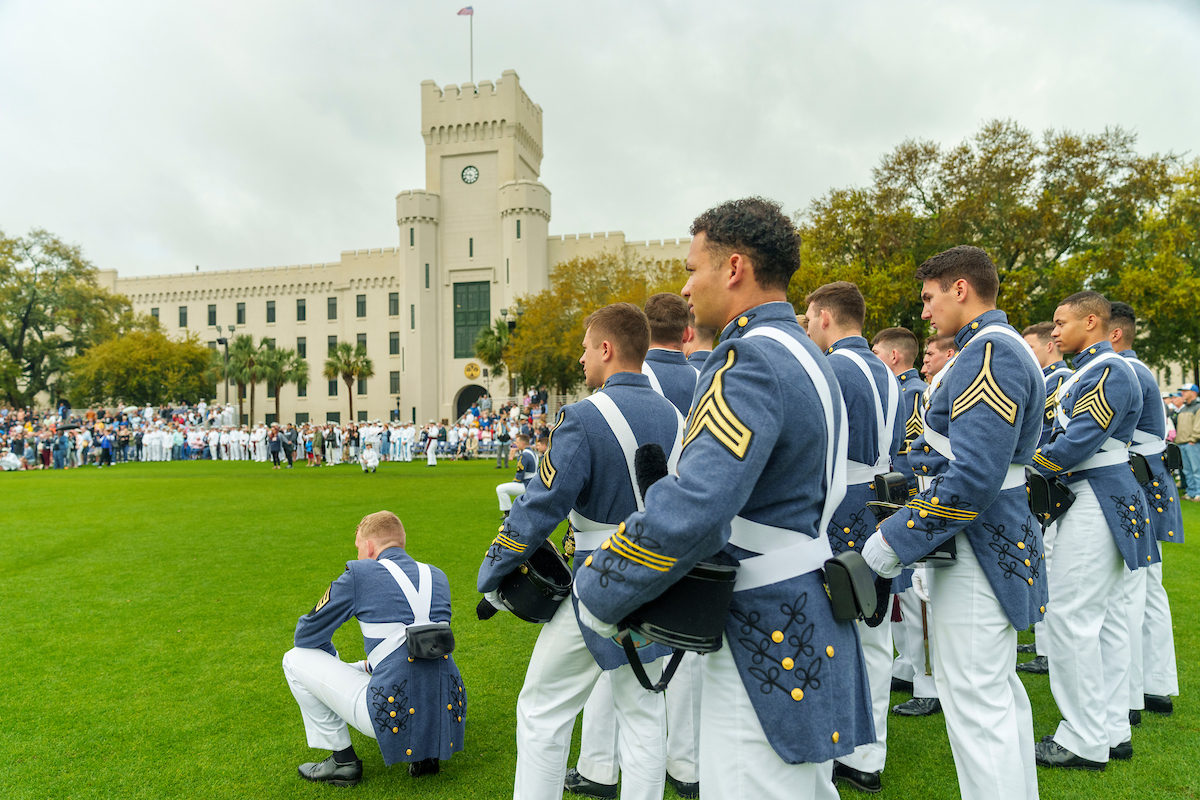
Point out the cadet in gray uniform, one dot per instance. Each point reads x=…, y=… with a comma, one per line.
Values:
x=698, y=342
x=586, y=476
x=983, y=413
x=414, y=708
x=787, y=692
x=1105, y=530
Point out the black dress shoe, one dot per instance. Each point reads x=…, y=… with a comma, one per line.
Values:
x=863, y=781
x=577, y=784
x=428, y=766
x=918, y=707
x=684, y=789
x=331, y=772
x=1029, y=648
x=901, y=685
x=1035, y=666
x=1159, y=704
x=1052, y=754
x=1122, y=752
x=1135, y=718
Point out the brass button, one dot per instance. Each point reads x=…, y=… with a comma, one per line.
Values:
x=1043, y=609
x=934, y=501
x=445, y=656
x=926, y=448
x=1021, y=545
x=743, y=321
x=1135, y=536
x=850, y=543
x=587, y=562
x=923, y=513
x=621, y=528
x=448, y=707
x=1131, y=508
x=1092, y=350
x=797, y=694
x=845, y=530
x=393, y=713
x=408, y=752
x=1156, y=484
x=1147, y=558
x=412, y=711
x=777, y=637
x=835, y=737
x=974, y=325
x=1170, y=533
x=397, y=730
x=460, y=719
x=924, y=469
x=788, y=663
x=829, y=651
x=606, y=544
x=910, y=523
x=1158, y=497
x=410, y=659
x=391, y=699
x=1031, y=581
x=1027, y=562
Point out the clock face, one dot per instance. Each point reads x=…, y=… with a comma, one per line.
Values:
x=470, y=174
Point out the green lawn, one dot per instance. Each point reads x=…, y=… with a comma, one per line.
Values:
x=148, y=607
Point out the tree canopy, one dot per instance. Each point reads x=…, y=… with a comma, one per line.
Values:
x=141, y=367
x=350, y=363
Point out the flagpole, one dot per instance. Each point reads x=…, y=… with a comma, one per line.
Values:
x=472, y=48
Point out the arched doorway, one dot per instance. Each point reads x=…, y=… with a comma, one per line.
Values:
x=467, y=397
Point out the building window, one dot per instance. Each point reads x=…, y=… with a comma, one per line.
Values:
x=212, y=345
x=270, y=343
x=426, y=276
x=270, y=419
x=412, y=237
x=302, y=390
x=270, y=311
x=394, y=343
x=332, y=344
x=333, y=416
x=362, y=416
x=183, y=316
x=212, y=315
x=270, y=390
x=402, y=369
x=301, y=311
x=394, y=381
x=302, y=418
x=332, y=313
x=470, y=248
x=360, y=305
x=507, y=274
x=333, y=387
x=518, y=229
x=362, y=385
x=412, y=318
x=154, y=313
x=241, y=314
x=393, y=304
x=472, y=306
x=362, y=343
x=302, y=347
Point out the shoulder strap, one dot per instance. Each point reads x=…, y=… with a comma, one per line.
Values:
x=420, y=600
x=885, y=420
x=625, y=438
x=1066, y=385
x=648, y=371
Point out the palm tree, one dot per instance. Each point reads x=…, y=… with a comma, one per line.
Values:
x=281, y=367
x=491, y=347
x=246, y=368
x=350, y=363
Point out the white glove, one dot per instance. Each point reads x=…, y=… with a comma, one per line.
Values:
x=920, y=584
x=493, y=597
x=589, y=619
x=881, y=557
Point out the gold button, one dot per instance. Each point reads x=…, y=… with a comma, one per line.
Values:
x=1147, y=558
x=1135, y=536
x=1021, y=545
x=587, y=562
x=923, y=513
x=607, y=543
x=742, y=321
x=393, y=713
x=1156, y=484
x=391, y=699
x=797, y=694
x=397, y=730
x=412, y=711
x=910, y=523
x=1158, y=497
x=445, y=656
x=835, y=737
x=1043, y=609
x=788, y=663
x=1031, y=581
x=845, y=530
x=410, y=659
x=934, y=501
x=501, y=529
x=974, y=325
x=850, y=543
x=1170, y=533
x=926, y=448
x=1147, y=520
x=1160, y=510
x=777, y=637
x=1027, y=562
x=408, y=752
x=924, y=469
x=1131, y=508
x=1092, y=350
x=829, y=651
x=621, y=528
x=448, y=706
x=460, y=719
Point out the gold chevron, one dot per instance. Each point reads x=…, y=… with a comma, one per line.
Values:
x=1052, y=400
x=1047, y=463
x=621, y=545
x=984, y=389
x=914, y=427
x=713, y=414
x=323, y=601
x=546, y=470
x=1096, y=404
x=511, y=544
x=932, y=510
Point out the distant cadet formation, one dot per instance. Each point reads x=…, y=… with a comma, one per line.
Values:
x=781, y=515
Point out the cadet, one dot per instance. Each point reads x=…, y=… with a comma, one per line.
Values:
x=1153, y=674
x=872, y=394
x=939, y=350
x=766, y=731
x=913, y=668
x=391, y=697
x=1104, y=530
x=526, y=467
x=983, y=414
x=698, y=342
x=587, y=471
x=669, y=372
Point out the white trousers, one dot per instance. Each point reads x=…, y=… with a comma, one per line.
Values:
x=736, y=760
x=507, y=491
x=431, y=452
x=330, y=693
x=561, y=675
x=877, y=653
x=1048, y=537
x=1087, y=631
x=1135, y=605
x=1160, y=675
x=909, y=636
x=988, y=717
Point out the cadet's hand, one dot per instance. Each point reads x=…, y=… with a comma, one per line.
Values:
x=489, y=605
x=920, y=585
x=881, y=557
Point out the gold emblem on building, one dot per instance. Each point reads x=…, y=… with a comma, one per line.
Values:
x=471, y=371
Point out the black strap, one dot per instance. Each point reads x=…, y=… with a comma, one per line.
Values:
x=640, y=671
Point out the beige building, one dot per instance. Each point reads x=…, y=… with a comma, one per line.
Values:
x=470, y=243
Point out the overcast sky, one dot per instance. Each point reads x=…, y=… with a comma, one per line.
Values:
x=230, y=135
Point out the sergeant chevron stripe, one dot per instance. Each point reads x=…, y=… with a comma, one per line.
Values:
x=714, y=415
x=913, y=427
x=1052, y=401
x=928, y=509
x=984, y=389
x=1096, y=404
x=546, y=470
x=511, y=544
x=1041, y=460
x=621, y=545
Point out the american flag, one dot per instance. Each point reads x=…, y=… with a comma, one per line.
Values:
x=468, y=11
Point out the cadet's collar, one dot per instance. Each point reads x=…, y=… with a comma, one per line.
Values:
x=909, y=374
x=1128, y=353
x=848, y=341
x=626, y=379
x=1057, y=365
x=752, y=317
x=392, y=553
x=662, y=355
x=1091, y=352
x=976, y=325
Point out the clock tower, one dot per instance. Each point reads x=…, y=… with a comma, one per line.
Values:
x=471, y=241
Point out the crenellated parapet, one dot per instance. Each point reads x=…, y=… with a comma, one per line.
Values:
x=525, y=197
x=417, y=205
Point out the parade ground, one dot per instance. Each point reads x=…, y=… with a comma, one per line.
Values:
x=148, y=607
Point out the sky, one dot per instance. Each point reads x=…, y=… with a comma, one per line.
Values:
x=228, y=135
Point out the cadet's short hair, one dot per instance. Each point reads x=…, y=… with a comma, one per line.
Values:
x=668, y=317
x=382, y=526
x=963, y=263
x=1121, y=316
x=842, y=300
x=521, y=437
x=708, y=335
x=1042, y=330
x=623, y=324
x=756, y=228
x=1088, y=302
x=901, y=339
x=942, y=341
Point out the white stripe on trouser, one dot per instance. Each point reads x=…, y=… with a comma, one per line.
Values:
x=507, y=491
x=877, y=654
x=736, y=760
x=1161, y=676
x=1088, y=631
x=1135, y=607
x=330, y=694
x=988, y=717
x=910, y=644
x=561, y=675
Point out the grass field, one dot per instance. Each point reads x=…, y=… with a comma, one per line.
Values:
x=149, y=606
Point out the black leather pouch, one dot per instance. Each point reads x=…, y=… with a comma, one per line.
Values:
x=1173, y=457
x=430, y=641
x=850, y=584
x=1141, y=468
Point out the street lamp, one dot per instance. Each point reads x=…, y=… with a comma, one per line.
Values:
x=397, y=408
x=221, y=340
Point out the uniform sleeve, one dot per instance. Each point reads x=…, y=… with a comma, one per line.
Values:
x=563, y=473
x=731, y=433
x=990, y=399
x=315, y=629
x=1101, y=402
